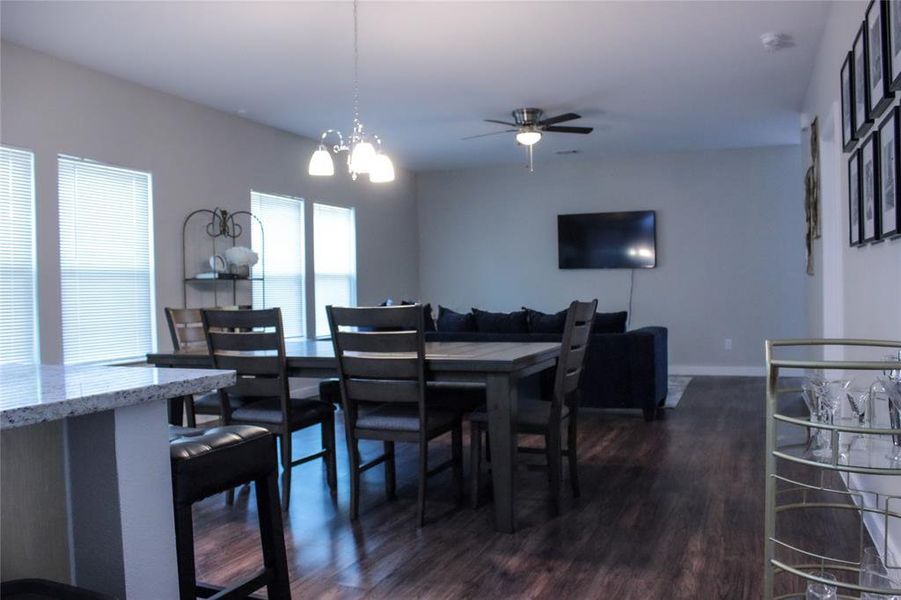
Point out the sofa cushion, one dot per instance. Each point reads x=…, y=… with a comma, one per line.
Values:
x=540, y=322
x=449, y=320
x=429, y=319
x=610, y=322
x=491, y=322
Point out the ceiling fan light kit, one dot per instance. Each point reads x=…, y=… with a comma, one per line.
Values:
x=363, y=158
x=530, y=128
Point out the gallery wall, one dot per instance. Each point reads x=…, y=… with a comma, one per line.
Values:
x=730, y=245
x=857, y=289
x=199, y=158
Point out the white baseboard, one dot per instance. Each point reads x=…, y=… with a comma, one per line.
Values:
x=708, y=370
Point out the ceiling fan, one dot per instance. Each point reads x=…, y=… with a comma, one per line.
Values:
x=530, y=126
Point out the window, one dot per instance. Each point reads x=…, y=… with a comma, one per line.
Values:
x=335, y=260
x=18, y=323
x=283, y=233
x=106, y=262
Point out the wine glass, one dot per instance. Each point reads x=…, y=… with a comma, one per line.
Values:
x=892, y=388
x=811, y=390
x=822, y=591
x=830, y=399
x=859, y=399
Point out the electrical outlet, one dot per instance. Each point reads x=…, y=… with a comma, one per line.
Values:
x=727, y=343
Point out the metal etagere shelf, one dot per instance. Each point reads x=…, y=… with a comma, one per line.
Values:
x=789, y=496
x=222, y=230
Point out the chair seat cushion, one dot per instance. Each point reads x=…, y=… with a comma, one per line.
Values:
x=530, y=415
x=210, y=461
x=208, y=404
x=405, y=417
x=304, y=411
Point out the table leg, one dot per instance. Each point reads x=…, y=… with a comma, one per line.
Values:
x=502, y=399
x=176, y=411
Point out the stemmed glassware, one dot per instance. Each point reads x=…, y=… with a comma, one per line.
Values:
x=823, y=398
x=822, y=591
x=892, y=389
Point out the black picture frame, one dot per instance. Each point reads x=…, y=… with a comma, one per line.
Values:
x=893, y=34
x=889, y=224
x=862, y=119
x=855, y=228
x=880, y=96
x=869, y=188
x=849, y=131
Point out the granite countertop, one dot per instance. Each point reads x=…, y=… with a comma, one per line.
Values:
x=31, y=394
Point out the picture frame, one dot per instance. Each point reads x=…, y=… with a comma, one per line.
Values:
x=862, y=120
x=893, y=31
x=854, y=224
x=890, y=172
x=849, y=131
x=869, y=188
x=880, y=96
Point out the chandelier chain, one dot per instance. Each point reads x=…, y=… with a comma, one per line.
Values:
x=356, y=71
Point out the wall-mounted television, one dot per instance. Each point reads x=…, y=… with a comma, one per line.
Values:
x=614, y=240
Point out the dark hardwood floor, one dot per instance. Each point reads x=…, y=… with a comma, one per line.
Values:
x=669, y=509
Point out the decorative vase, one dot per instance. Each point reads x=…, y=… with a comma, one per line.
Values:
x=240, y=271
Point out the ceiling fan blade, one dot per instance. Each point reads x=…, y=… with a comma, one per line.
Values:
x=500, y=122
x=558, y=129
x=470, y=137
x=559, y=119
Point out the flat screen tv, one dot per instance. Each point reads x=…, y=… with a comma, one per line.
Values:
x=615, y=240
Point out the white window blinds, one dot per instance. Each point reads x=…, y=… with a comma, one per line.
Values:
x=18, y=322
x=283, y=231
x=106, y=262
x=335, y=260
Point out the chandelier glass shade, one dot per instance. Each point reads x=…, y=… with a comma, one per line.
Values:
x=363, y=158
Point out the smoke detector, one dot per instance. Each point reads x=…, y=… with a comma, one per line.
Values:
x=773, y=41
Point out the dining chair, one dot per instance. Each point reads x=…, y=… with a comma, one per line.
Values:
x=186, y=330
x=252, y=343
x=382, y=378
x=549, y=417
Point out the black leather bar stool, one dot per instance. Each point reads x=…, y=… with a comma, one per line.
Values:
x=210, y=461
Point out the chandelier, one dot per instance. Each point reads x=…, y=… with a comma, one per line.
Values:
x=362, y=156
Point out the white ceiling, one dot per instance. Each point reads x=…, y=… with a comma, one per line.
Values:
x=649, y=76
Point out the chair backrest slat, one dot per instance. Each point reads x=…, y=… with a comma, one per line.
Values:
x=380, y=317
x=383, y=390
x=378, y=342
x=252, y=343
x=384, y=362
x=185, y=328
x=393, y=368
x=244, y=341
x=573, y=351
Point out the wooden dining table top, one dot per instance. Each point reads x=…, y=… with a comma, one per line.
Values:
x=440, y=356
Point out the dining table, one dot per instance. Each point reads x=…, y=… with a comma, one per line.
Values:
x=499, y=366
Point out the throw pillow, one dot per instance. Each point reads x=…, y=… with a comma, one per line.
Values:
x=429, y=319
x=449, y=320
x=610, y=322
x=489, y=322
x=540, y=322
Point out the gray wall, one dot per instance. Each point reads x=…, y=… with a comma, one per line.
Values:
x=199, y=158
x=729, y=241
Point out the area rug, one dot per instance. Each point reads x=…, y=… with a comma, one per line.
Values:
x=676, y=385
